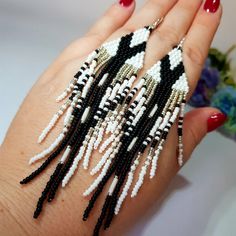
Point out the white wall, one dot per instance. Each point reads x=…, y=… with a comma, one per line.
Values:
x=202, y=198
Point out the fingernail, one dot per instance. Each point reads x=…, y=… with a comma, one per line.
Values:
x=215, y=121
x=125, y=3
x=211, y=5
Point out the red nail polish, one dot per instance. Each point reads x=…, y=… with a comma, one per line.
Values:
x=215, y=121
x=211, y=5
x=125, y=3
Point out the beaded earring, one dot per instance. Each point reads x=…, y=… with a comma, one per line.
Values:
x=143, y=125
x=97, y=93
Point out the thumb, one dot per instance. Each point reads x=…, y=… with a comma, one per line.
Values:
x=197, y=124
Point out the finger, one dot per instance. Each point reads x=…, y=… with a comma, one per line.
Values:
x=178, y=21
x=198, y=41
x=197, y=124
x=112, y=20
x=175, y=25
x=150, y=12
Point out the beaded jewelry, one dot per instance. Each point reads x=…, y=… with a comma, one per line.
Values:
x=108, y=111
x=99, y=87
x=159, y=102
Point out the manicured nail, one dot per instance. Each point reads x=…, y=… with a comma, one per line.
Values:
x=211, y=5
x=125, y=3
x=215, y=121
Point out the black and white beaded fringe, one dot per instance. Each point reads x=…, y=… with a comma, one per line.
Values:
x=109, y=111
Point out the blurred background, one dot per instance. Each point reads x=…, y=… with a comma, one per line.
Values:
x=201, y=200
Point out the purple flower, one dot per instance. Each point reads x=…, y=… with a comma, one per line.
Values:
x=210, y=75
x=207, y=84
x=199, y=97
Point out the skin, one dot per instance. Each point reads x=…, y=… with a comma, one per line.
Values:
x=64, y=215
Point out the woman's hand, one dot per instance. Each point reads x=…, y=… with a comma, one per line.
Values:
x=197, y=21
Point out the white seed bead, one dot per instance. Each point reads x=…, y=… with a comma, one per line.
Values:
x=48, y=150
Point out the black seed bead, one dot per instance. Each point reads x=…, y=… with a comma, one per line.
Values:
x=180, y=131
x=142, y=148
x=154, y=143
x=102, y=216
x=46, y=190
x=78, y=74
x=111, y=211
x=164, y=135
x=47, y=162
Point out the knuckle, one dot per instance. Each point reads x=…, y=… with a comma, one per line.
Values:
x=66, y=69
x=161, y=3
x=70, y=68
x=157, y=3
x=188, y=6
x=92, y=38
x=195, y=55
x=128, y=28
x=170, y=35
x=97, y=37
x=194, y=136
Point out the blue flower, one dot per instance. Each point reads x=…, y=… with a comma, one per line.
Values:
x=225, y=100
